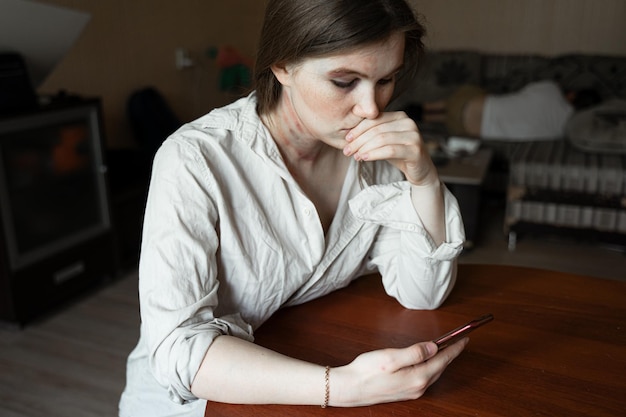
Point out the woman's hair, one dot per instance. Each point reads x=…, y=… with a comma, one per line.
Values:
x=585, y=98
x=297, y=29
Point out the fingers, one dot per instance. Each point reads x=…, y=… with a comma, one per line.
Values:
x=393, y=374
x=416, y=354
x=385, y=119
x=421, y=376
x=444, y=357
x=441, y=360
x=395, y=138
x=392, y=136
x=426, y=352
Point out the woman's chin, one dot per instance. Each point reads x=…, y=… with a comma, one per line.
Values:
x=337, y=140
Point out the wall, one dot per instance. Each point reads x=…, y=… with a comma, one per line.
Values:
x=527, y=26
x=130, y=43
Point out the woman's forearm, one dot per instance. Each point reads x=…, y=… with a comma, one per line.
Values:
x=237, y=371
x=429, y=204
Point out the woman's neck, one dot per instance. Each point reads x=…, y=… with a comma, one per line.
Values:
x=317, y=167
x=297, y=146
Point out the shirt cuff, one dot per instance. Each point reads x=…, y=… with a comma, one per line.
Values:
x=390, y=205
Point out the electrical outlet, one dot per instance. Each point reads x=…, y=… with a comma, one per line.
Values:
x=183, y=59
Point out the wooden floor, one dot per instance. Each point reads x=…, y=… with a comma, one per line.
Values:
x=73, y=363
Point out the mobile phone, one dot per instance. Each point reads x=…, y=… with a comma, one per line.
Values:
x=461, y=331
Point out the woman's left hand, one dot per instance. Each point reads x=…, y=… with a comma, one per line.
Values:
x=393, y=137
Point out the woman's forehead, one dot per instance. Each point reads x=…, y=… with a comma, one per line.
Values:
x=386, y=56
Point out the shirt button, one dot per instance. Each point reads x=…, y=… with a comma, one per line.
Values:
x=307, y=212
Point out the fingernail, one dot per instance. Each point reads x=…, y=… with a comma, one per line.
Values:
x=349, y=136
x=347, y=150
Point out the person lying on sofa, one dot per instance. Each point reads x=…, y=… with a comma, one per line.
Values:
x=538, y=111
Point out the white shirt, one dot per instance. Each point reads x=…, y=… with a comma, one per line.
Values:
x=537, y=111
x=229, y=238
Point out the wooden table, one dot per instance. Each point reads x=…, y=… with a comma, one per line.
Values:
x=557, y=346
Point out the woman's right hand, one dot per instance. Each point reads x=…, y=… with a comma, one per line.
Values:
x=390, y=375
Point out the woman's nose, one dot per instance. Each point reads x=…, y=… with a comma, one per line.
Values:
x=367, y=106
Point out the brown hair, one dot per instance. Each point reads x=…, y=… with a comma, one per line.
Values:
x=297, y=29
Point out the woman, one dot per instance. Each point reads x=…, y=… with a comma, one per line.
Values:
x=258, y=205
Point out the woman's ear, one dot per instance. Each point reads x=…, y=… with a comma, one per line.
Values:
x=282, y=73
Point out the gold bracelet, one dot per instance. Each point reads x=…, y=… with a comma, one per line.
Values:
x=326, y=387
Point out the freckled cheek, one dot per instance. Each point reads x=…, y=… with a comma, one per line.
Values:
x=325, y=104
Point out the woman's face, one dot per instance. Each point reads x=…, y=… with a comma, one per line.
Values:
x=324, y=98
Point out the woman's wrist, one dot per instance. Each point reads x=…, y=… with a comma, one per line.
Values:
x=431, y=180
x=336, y=387
x=427, y=185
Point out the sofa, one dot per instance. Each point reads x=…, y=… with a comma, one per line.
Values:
x=550, y=188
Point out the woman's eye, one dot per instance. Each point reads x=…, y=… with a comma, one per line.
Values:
x=344, y=84
x=385, y=81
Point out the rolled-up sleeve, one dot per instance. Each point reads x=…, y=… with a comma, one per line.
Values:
x=178, y=252
x=418, y=273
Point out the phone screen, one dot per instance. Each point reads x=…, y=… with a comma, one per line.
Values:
x=461, y=331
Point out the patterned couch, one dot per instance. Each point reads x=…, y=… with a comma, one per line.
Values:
x=591, y=209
